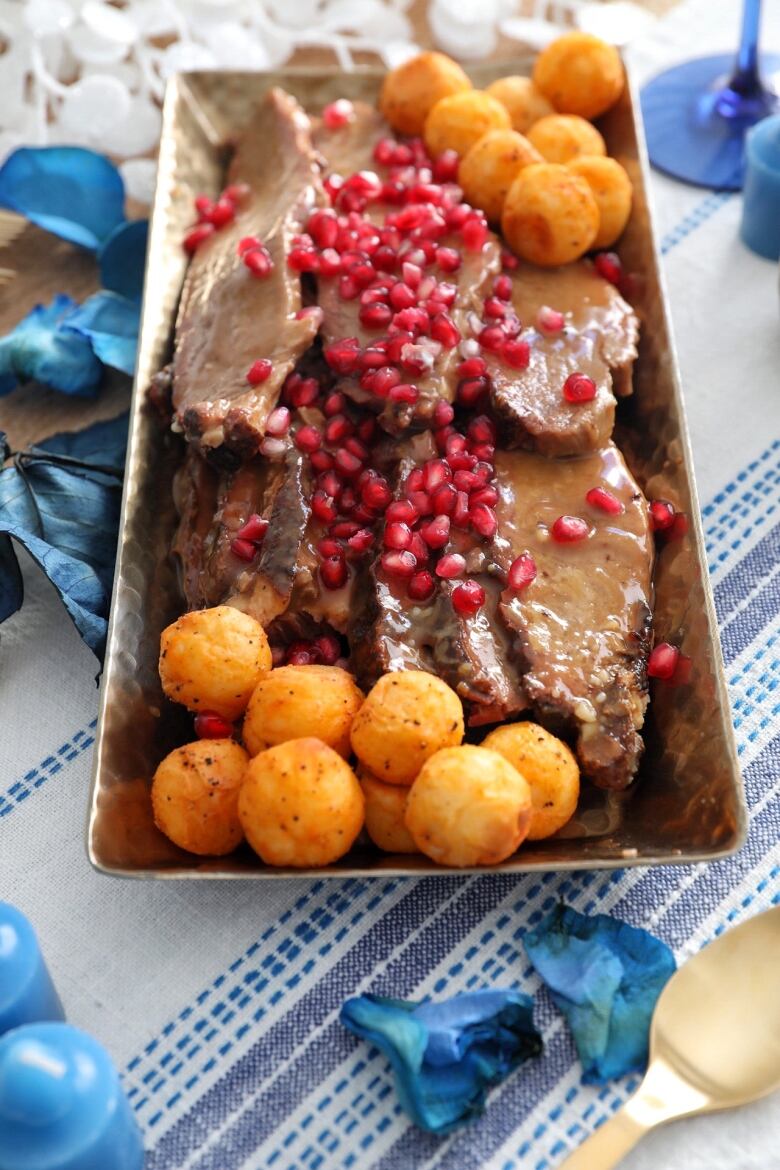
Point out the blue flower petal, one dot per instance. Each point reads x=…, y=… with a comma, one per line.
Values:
x=446, y=1055
x=74, y=193
x=122, y=259
x=66, y=516
x=605, y=977
x=110, y=323
x=40, y=349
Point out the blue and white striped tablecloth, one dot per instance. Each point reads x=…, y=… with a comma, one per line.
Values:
x=220, y=1001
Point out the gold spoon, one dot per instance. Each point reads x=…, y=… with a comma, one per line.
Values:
x=714, y=1041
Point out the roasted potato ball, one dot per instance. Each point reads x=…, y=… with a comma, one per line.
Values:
x=195, y=796
x=457, y=122
x=211, y=659
x=407, y=716
x=612, y=190
x=414, y=88
x=468, y=806
x=561, y=137
x=550, y=215
x=548, y=766
x=580, y=74
x=293, y=701
x=300, y=804
x=491, y=166
x=385, y=809
x=525, y=103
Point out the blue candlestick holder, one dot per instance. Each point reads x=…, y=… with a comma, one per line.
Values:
x=61, y=1104
x=27, y=993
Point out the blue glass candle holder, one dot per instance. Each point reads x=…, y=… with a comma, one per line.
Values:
x=27, y=993
x=760, y=227
x=697, y=114
x=61, y=1104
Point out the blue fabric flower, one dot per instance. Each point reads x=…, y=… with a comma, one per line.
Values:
x=40, y=349
x=110, y=323
x=60, y=501
x=445, y=1056
x=122, y=259
x=74, y=193
x=605, y=977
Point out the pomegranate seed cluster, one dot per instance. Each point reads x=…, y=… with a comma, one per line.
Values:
x=214, y=214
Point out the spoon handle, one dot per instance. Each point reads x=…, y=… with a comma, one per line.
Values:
x=608, y=1145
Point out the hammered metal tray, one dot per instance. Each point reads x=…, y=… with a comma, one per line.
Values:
x=687, y=803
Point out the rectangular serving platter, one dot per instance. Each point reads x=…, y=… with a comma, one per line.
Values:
x=687, y=803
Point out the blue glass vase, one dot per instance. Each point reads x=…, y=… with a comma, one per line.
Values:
x=696, y=114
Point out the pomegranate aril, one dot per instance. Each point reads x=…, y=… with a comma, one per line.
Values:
x=321, y=460
x=662, y=661
x=421, y=502
x=278, y=421
x=484, y=495
x=448, y=259
x=243, y=549
x=521, y=573
x=483, y=520
x=465, y=481
x=444, y=330
x=259, y=371
x=414, y=480
x=203, y=206
x=474, y=232
x=509, y=262
x=303, y=260
x=483, y=451
x=376, y=494
x=473, y=367
x=358, y=449
x=272, y=448
x=661, y=515
x=308, y=439
x=472, y=391
x=608, y=265
x=338, y=428
x=397, y=535
x=445, y=167
x=209, y=725
x=482, y=429
x=460, y=513
x=399, y=564
x=421, y=586
x=222, y=213
x=304, y=391
x=329, y=547
x=444, y=499
x=404, y=392
x=248, y=244
x=384, y=152
x=443, y=414
x=259, y=262
x=435, y=473
x=334, y=572
x=605, y=501
x=236, y=192
x=194, y=238
x=338, y=113
x=346, y=463
x=516, y=354
x=579, y=388
x=335, y=403
x=468, y=598
x=492, y=338
x=323, y=507
x=323, y=228
x=343, y=529
x=568, y=529
x=361, y=541
x=419, y=549
x=436, y=532
x=502, y=287
x=494, y=307
x=328, y=648
x=343, y=356
x=412, y=274
x=330, y=262
x=401, y=510
x=301, y=655
x=451, y=565
x=550, y=320
x=347, y=502
x=401, y=296
x=254, y=529
x=414, y=321
x=348, y=288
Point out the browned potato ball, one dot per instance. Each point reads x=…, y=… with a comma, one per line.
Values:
x=457, y=122
x=550, y=216
x=548, y=766
x=295, y=701
x=580, y=74
x=407, y=716
x=561, y=137
x=195, y=796
x=411, y=90
x=211, y=659
x=491, y=166
x=468, y=806
x=300, y=804
x=612, y=190
x=525, y=103
x=385, y=810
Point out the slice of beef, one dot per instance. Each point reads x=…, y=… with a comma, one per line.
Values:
x=581, y=630
x=228, y=318
x=349, y=149
x=599, y=339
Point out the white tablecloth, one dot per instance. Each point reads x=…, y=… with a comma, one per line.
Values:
x=219, y=1001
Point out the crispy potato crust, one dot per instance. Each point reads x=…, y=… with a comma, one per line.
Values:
x=550, y=769
x=560, y=138
x=300, y=804
x=295, y=701
x=468, y=806
x=457, y=122
x=491, y=166
x=195, y=796
x=407, y=716
x=612, y=190
x=385, y=810
x=550, y=216
x=525, y=103
x=413, y=89
x=211, y=660
x=580, y=74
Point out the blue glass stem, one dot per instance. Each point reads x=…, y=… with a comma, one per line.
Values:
x=746, y=79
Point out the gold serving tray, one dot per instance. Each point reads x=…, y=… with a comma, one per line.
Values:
x=687, y=803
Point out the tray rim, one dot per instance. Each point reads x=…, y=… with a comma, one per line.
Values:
x=515, y=864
